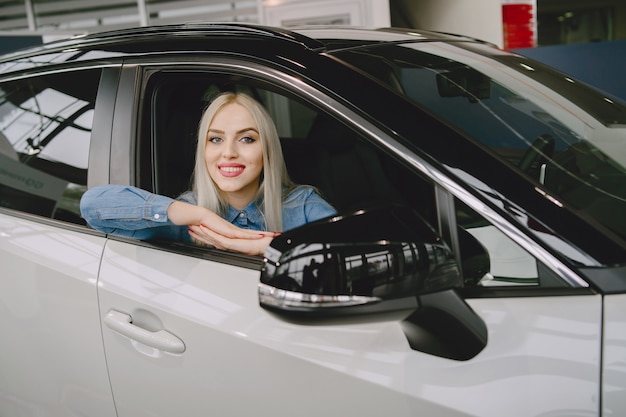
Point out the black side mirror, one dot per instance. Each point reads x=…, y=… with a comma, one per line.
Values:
x=379, y=260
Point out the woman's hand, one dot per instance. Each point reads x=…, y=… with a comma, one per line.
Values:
x=209, y=228
x=185, y=214
x=254, y=245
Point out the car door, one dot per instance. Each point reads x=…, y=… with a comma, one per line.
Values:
x=52, y=359
x=184, y=331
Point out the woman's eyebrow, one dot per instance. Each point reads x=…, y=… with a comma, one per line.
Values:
x=248, y=129
x=238, y=132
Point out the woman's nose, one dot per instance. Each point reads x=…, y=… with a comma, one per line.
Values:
x=230, y=149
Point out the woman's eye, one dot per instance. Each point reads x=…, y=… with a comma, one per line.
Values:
x=214, y=139
x=247, y=139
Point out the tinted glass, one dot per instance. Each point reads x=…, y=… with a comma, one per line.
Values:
x=566, y=136
x=45, y=130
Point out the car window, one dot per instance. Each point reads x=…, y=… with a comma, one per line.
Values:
x=319, y=149
x=45, y=131
x=489, y=258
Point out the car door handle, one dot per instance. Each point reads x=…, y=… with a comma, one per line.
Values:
x=162, y=339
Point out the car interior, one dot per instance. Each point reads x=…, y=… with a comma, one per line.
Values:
x=318, y=149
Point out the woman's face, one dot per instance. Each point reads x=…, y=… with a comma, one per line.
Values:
x=234, y=154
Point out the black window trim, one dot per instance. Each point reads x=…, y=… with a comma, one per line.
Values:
x=102, y=129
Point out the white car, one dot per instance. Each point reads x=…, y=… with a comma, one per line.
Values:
x=476, y=266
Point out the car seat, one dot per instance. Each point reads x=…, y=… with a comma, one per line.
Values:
x=348, y=172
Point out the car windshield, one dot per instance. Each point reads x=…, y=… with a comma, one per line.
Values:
x=567, y=136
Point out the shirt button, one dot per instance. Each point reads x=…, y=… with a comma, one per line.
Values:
x=242, y=215
x=157, y=216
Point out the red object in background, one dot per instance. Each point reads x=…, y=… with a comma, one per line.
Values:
x=518, y=21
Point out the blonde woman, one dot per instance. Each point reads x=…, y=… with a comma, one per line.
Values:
x=241, y=197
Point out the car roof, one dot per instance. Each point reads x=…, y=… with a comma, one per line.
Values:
x=330, y=35
x=314, y=38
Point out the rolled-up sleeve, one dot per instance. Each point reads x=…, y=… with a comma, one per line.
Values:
x=127, y=211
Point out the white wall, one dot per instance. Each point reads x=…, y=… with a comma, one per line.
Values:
x=364, y=13
x=479, y=19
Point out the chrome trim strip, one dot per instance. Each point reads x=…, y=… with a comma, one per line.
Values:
x=275, y=297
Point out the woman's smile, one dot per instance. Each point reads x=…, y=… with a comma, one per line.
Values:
x=231, y=170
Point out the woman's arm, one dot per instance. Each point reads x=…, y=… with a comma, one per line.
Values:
x=132, y=212
x=129, y=212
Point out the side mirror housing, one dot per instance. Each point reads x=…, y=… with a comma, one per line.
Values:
x=379, y=260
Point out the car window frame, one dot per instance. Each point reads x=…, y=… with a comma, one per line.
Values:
x=134, y=73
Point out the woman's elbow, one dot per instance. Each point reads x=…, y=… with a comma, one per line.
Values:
x=89, y=204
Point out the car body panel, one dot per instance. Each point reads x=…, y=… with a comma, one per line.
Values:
x=52, y=360
x=231, y=361
x=240, y=358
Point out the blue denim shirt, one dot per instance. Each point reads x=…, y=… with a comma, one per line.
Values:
x=132, y=212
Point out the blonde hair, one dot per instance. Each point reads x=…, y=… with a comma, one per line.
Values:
x=274, y=182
